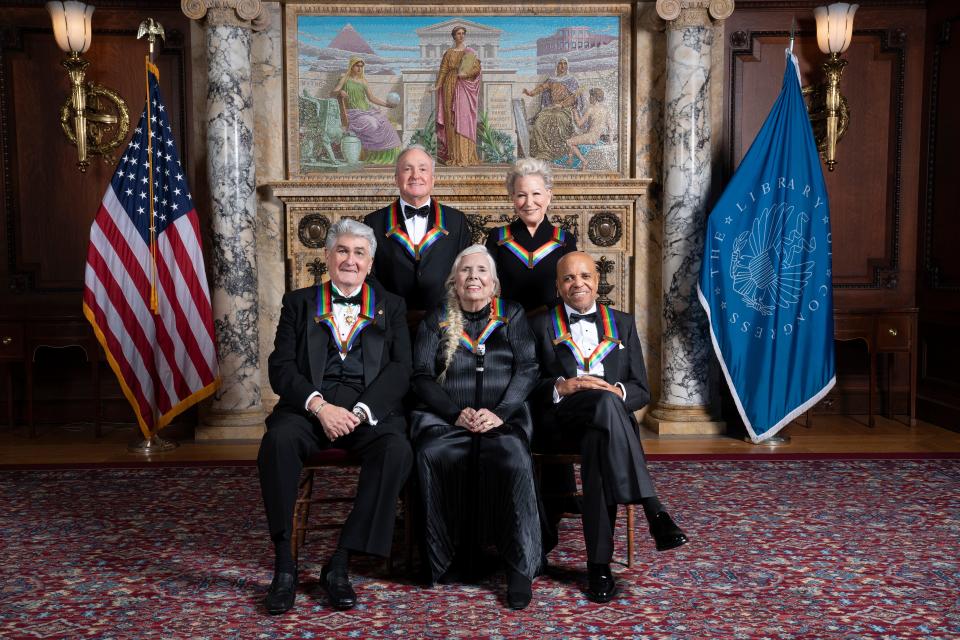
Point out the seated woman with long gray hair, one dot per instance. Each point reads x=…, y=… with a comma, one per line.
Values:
x=474, y=365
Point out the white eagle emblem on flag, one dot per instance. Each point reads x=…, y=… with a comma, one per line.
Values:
x=765, y=264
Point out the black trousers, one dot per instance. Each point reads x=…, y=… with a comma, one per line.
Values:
x=385, y=462
x=596, y=425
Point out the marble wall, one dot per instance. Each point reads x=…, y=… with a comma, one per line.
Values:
x=267, y=78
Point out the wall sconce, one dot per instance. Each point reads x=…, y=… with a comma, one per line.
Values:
x=834, y=32
x=95, y=118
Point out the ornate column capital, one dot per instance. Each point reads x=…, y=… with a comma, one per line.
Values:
x=241, y=13
x=693, y=13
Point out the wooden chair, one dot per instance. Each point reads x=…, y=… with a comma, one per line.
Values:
x=541, y=459
x=307, y=495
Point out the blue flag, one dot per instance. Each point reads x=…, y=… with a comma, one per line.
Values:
x=765, y=277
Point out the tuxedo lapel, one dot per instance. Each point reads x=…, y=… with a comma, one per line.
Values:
x=611, y=363
x=428, y=251
x=372, y=339
x=568, y=364
x=396, y=244
x=318, y=339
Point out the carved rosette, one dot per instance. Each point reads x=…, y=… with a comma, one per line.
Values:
x=312, y=230
x=242, y=13
x=605, y=229
x=680, y=14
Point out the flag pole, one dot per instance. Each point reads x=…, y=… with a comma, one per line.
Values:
x=779, y=439
x=151, y=29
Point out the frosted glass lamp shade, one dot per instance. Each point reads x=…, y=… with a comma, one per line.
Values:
x=71, y=25
x=835, y=26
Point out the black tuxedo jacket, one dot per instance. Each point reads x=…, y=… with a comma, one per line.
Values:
x=621, y=365
x=299, y=356
x=421, y=283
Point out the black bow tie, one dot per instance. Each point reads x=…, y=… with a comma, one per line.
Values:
x=339, y=299
x=589, y=317
x=423, y=212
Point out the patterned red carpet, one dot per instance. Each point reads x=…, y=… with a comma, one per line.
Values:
x=780, y=549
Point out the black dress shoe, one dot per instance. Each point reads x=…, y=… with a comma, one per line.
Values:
x=282, y=592
x=338, y=587
x=519, y=590
x=601, y=585
x=666, y=533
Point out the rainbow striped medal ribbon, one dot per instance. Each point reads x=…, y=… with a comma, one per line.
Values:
x=325, y=315
x=609, y=341
x=498, y=318
x=532, y=258
x=434, y=233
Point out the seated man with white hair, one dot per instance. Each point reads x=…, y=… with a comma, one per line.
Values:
x=341, y=365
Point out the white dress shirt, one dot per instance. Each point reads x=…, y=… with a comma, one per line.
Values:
x=586, y=337
x=417, y=225
x=340, y=314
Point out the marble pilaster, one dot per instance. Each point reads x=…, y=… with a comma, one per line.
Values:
x=268, y=110
x=684, y=405
x=236, y=411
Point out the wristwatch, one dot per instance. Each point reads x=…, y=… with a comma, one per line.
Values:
x=360, y=413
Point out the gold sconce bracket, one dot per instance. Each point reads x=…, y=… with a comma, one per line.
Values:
x=107, y=120
x=816, y=99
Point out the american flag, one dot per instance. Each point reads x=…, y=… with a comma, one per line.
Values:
x=145, y=287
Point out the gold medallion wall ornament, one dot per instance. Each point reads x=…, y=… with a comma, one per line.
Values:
x=312, y=230
x=605, y=229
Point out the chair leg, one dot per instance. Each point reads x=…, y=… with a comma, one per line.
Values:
x=301, y=513
x=630, y=527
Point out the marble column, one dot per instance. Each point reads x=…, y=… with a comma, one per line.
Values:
x=236, y=411
x=684, y=406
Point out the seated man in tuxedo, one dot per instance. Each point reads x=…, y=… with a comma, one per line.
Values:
x=592, y=379
x=341, y=365
x=418, y=237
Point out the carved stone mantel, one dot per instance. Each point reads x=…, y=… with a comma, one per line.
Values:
x=599, y=210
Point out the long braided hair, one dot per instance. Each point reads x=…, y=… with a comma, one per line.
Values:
x=450, y=339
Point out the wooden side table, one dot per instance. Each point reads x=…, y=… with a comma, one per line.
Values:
x=885, y=331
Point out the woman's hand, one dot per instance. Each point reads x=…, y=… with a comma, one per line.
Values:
x=465, y=419
x=485, y=420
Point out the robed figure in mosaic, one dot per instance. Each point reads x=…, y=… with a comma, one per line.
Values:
x=378, y=138
x=458, y=102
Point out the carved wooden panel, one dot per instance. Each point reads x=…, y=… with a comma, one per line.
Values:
x=939, y=281
x=941, y=260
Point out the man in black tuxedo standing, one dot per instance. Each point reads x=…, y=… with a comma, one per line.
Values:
x=592, y=379
x=341, y=365
x=418, y=236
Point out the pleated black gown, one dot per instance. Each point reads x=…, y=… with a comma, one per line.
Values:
x=477, y=489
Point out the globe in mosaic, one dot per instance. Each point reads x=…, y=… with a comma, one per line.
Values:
x=392, y=98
